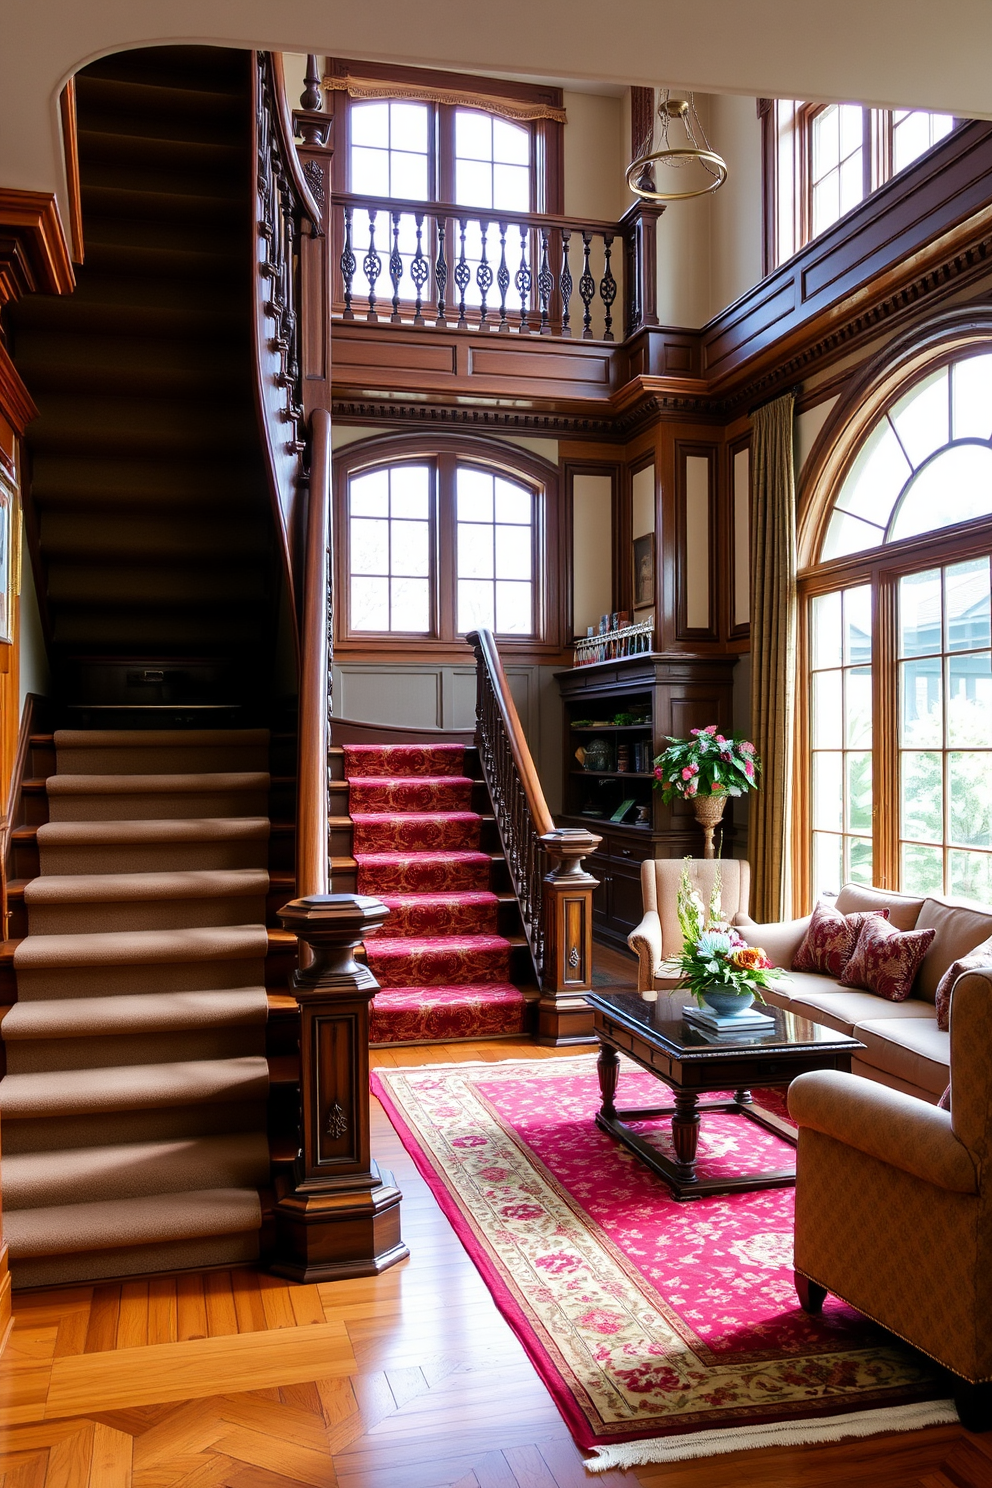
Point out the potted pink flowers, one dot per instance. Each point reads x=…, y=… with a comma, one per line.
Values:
x=706, y=769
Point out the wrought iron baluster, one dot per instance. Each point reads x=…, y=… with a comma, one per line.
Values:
x=395, y=269
x=483, y=276
x=441, y=272
x=419, y=270
x=565, y=283
x=463, y=273
x=587, y=286
x=608, y=287
x=372, y=265
x=502, y=279
x=545, y=285
x=523, y=279
x=348, y=264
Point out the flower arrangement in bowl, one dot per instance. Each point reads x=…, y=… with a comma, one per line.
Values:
x=707, y=769
x=716, y=965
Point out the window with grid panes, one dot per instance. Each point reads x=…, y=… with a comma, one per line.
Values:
x=908, y=539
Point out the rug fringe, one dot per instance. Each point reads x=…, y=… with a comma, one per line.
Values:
x=777, y=1434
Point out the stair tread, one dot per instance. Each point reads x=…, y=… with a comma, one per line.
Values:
x=135, y=1087
x=165, y=829
x=140, y=947
x=99, y=888
x=136, y=785
x=147, y=1012
x=156, y=738
x=109, y=1224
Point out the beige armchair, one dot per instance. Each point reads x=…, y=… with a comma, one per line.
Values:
x=894, y=1202
x=658, y=935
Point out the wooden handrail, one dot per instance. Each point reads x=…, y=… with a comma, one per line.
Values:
x=285, y=126
x=556, y=905
x=314, y=731
x=474, y=214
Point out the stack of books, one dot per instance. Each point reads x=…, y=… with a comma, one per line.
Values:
x=750, y=1019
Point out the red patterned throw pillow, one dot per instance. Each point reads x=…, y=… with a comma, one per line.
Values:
x=886, y=960
x=830, y=938
x=945, y=1100
x=980, y=956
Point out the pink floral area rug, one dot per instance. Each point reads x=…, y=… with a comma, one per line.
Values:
x=663, y=1330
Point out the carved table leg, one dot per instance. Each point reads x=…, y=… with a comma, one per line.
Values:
x=608, y=1069
x=685, y=1133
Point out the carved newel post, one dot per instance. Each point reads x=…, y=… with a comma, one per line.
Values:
x=338, y=1215
x=564, y=1017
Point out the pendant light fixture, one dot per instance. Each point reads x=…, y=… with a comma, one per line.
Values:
x=683, y=143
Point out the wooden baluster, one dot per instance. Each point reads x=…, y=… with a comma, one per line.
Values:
x=483, y=276
x=545, y=285
x=396, y=270
x=587, y=285
x=463, y=273
x=372, y=266
x=565, y=283
x=503, y=279
x=419, y=270
x=348, y=264
x=523, y=279
x=441, y=272
x=608, y=287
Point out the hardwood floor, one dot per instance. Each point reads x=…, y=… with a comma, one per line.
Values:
x=235, y=1379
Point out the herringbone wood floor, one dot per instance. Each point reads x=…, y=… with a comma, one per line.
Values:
x=411, y=1380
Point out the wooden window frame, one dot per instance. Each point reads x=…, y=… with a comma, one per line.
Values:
x=446, y=452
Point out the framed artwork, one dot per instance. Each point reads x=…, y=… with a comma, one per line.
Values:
x=644, y=571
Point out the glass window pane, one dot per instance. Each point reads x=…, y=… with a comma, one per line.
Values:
x=826, y=627
x=370, y=124
x=852, y=128
x=828, y=791
x=922, y=870
x=475, y=495
x=971, y=398
x=971, y=876
x=511, y=143
x=513, y=502
x=828, y=865
x=969, y=782
x=826, y=141
x=847, y=534
x=922, y=796
x=969, y=700
x=409, y=487
x=857, y=624
x=919, y=613
x=828, y=716
x=857, y=707
x=920, y=687
x=852, y=182
x=859, y=868
x=954, y=487
x=473, y=184
x=476, y=604
x=921, y=417
x=858, y=771
x=411, y=549
x=513, y=553
x=369, y=604
x=410, y=599
x=826, y=203
x=910, y=138
x=514, y=611
x=475, y=551
x=876, y=477
x=511, y=188
x=369, y=494
x=473, y=135
x=408, y=175
x=966, y=603
x=408, y=126
x=369, y=546
x=369, y=176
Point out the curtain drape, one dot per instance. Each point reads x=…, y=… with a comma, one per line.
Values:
x=773, y=654
x=492, y=103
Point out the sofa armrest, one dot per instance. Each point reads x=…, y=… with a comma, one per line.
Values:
x=896, y=1128
x=645, y=942
x=780, y=941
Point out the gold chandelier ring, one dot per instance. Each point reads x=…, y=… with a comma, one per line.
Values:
x=705, y=157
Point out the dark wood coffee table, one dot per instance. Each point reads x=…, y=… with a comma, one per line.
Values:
x=691, y=1060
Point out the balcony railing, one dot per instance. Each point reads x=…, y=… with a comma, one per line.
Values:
x=523, y=273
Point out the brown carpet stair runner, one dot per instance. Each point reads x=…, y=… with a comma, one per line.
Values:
x=134, y=1103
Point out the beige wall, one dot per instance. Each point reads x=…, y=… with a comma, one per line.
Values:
x=592, y=546
x=594, y=145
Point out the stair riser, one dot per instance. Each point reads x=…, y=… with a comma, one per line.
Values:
x=51, y=1133
x=164, y=760
x=148, y=807
x=437, y=967
x=154, y=857
x=137, y=1260
x=143, y=914
x=36, y=1056
x=44, y=983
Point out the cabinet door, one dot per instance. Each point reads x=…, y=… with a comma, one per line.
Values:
x=625, y=896
x=599, y=867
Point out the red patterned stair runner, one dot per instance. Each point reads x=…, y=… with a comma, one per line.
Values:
x=443, y=968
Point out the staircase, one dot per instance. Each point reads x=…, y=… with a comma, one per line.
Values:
x=134, y=1106
x=450, y=960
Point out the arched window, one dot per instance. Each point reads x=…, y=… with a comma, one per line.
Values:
x=436, y=539
x=897, y=617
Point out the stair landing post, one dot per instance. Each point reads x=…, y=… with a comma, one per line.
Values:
x=339, y=1214
x=564, y=1016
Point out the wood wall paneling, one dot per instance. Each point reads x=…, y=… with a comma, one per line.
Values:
x=740, y=544
x=588, y=535
x=696, y=540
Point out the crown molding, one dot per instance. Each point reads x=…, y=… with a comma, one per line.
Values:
x=34, y=256
x=16, y=404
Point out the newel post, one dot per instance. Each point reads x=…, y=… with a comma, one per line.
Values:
x=563, y=1014
x=338, y=1215
x=639, y=226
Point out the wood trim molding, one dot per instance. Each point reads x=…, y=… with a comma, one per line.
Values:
x=16, y=403
x=34, y=256
x=70, y=147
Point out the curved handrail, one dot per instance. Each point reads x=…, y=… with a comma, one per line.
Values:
x=486, y=653
x=314, y=731
x=284, y=124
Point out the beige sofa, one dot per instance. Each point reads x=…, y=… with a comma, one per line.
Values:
x=904, y=1048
